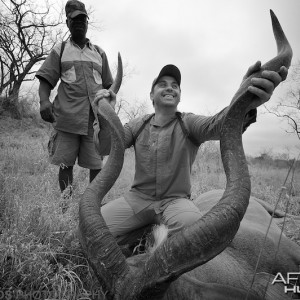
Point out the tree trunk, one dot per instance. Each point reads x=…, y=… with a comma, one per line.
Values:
x=13, y=102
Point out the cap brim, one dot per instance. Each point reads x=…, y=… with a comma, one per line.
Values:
x=169, y=70
x=77, y=13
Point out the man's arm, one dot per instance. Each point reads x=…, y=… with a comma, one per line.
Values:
x=48, y=75
x=208, y=128
x=45, y=104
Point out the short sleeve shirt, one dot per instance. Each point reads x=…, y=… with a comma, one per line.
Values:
x=82, y=72
x=165, y=155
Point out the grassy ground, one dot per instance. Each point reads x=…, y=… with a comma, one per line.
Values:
x=36, y=251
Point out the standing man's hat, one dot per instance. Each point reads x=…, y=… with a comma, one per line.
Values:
x=74, y=8
x=168, y=70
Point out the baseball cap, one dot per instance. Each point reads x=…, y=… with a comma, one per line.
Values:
x=168, y=70
x=74, y=8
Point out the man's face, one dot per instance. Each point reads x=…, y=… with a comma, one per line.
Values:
x=78, y=26
x=166, y=92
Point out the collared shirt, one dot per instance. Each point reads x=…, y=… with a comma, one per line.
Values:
x=164, y=155
x=82, y=72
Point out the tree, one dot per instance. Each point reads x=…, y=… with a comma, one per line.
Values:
x=127, y=111
x=28, y=32
x=288, y=106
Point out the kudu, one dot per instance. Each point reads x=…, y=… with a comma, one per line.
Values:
x=211, y=259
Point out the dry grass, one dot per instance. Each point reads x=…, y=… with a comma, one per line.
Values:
x=35, y=253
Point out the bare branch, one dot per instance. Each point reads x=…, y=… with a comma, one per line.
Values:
x=28, y=32
x=288, y=106
x=128, y=111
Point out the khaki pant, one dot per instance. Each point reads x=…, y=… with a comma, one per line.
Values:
x=64, y=148
x=122, y=217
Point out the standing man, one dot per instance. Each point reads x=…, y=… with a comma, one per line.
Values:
x=83, y=70
x=166, y=144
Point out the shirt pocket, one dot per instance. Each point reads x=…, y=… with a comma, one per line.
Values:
x=97, y=70
x=68, y=74
x=52, y=142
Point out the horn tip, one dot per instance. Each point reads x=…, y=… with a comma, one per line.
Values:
x=273, y=16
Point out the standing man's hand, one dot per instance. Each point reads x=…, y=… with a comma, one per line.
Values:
x=46, y=111
x=46, y=107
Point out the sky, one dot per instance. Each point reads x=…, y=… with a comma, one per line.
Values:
x=213, y=42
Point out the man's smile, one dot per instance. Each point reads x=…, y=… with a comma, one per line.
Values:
x=168, y=96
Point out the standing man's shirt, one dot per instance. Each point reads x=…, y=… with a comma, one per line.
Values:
x=82, y=72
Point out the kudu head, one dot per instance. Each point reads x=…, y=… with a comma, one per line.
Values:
x=148, y=276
